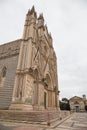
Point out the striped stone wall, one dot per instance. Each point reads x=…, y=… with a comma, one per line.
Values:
x=8, y=58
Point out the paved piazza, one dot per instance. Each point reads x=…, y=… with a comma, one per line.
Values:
x=77, y=121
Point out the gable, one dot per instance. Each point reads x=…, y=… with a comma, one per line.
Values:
x=75, y=98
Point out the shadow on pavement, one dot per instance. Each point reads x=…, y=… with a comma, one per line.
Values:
x=2, y=127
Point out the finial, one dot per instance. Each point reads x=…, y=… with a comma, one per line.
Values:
x=28, y=11
x=33, y=9
x=41, y=16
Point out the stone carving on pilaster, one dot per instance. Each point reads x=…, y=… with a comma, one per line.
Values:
x=29, y=90
x=18, y=90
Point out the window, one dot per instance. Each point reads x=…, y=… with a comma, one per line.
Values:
x=2, y=76
x=3, y=72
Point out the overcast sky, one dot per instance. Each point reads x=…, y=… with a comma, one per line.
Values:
x=67, y=21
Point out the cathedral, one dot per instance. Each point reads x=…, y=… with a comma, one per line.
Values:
x=28, y=69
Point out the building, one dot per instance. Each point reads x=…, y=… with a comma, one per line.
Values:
x=28, y=69
x=78, y=104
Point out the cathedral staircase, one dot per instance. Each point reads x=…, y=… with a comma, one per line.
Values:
x=29, y=117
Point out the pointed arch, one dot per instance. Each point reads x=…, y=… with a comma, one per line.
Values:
x=48, y=79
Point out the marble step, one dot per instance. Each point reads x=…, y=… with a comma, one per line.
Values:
x=33, y=116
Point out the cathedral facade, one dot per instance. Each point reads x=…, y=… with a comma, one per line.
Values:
x=28, y=69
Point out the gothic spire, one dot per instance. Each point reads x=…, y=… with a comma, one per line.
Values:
x=32, y=11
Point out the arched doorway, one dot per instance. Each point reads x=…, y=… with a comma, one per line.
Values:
x=77, y=108
x=76, y=103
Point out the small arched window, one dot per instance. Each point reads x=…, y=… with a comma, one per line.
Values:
x=4, y=70
x=2, y=76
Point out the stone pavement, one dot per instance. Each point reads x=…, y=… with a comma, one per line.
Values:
x=77, y=121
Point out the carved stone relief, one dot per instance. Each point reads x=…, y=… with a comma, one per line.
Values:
x=29, y=89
